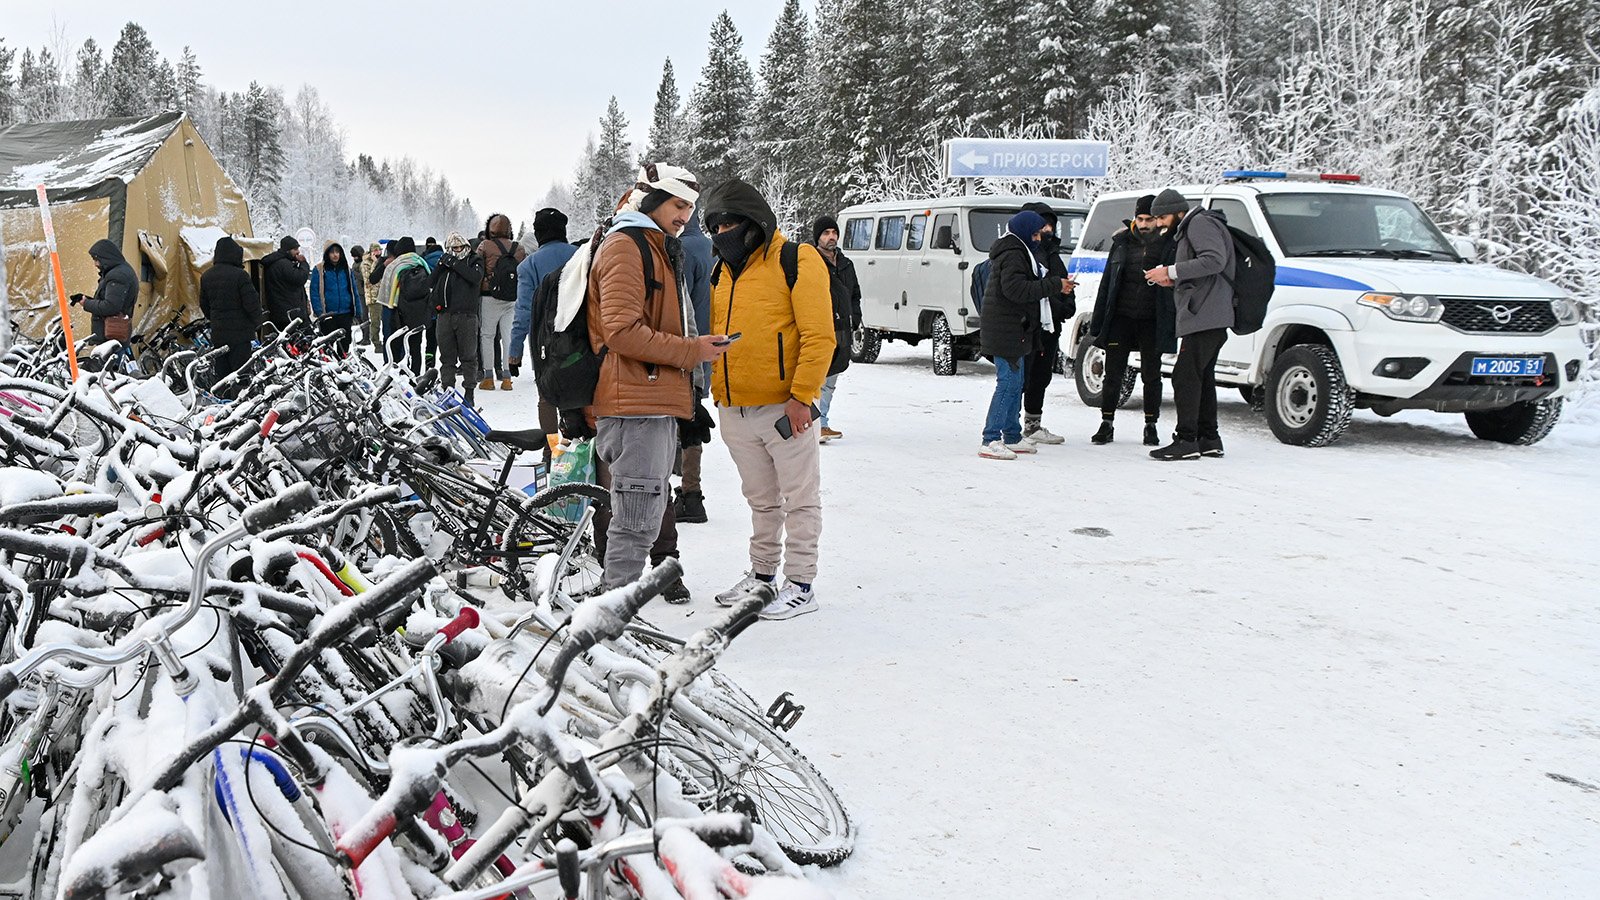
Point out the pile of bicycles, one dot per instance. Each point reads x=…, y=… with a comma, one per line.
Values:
x=277, y=635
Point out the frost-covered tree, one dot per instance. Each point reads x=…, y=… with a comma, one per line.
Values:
x=1062, y=76
x=8, y=86
x=131, y=73
x=611, y=165
x=88, y=98
x=189, y=74
x=721, y=107
x=259, y=159
x=781, y=138
x=164, y=92
x=40, y=91
x=666, y=142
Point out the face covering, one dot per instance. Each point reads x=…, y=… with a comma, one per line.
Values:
x=731, y=246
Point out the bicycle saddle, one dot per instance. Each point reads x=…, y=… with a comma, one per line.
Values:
x=530, y=439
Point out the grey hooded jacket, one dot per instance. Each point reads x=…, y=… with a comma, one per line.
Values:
x=1204, y=297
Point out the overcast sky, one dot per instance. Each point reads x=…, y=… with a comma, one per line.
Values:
x=498, y=96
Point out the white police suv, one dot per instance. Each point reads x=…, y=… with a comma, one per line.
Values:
x=1374, y=308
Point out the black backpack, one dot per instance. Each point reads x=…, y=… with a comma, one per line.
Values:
x=980, y=283
x=412, y=304
x=789, y=259
x=566, y=367
x=503, y=277
x=1255, y=275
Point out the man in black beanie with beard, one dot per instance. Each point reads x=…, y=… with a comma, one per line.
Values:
x=1131, y=313
x=845, y=289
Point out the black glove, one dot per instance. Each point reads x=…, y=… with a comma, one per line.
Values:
x=575, y=425
x=696, y=431
x=75, y=299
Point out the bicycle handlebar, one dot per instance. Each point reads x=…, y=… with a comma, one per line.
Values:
x=57, y=507
x=465, y=620
x=278, y=510
x=606, y=617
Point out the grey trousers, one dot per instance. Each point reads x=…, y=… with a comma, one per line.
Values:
x=458, y=348
x=639, y=453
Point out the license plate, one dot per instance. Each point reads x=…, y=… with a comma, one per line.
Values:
x=1508, y=365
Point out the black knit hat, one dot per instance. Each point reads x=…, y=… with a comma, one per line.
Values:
x=288, y=242
x=823, y=223
x=549, y=224
x=1142, y=207
x=406, y=245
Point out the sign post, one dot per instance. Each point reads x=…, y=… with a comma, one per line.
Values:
x=61, y=286
x=1002, y=158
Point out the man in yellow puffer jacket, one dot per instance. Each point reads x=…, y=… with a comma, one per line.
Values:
x=765, y=385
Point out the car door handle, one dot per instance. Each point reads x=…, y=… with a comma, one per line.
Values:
x=872, y=262
x=926, y=263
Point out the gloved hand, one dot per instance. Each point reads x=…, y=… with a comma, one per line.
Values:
x=75, y=299
x=575, y=425
x=696, y=431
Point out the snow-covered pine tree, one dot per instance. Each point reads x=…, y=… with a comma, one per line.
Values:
x=666, y=140
x=780, y=138
x=131, y=73
x=164, y=88
x=40, y=92
x=8, y=86
x=1003, y=77
x=259, y=160
x=588, y=198
x=1060, y=65
x=189, y=73
x=611, y=166
x=719, y=143
x=88, y=94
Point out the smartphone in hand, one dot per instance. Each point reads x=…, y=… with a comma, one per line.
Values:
x=728, y=339
x=786, y=431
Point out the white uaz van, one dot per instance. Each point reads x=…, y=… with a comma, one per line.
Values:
x=1374, y=308
x=915, y=260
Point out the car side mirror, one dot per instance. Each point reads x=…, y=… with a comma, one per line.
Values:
x=1465, y=247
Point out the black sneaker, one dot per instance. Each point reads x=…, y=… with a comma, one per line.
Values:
x=1151, y=439
x=676, y=592
x=690, y=507
x=1178, y=449
x=1104, y=435
x=1211, y=446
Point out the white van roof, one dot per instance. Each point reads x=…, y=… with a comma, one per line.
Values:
x=977, y=201
x=1264, y=186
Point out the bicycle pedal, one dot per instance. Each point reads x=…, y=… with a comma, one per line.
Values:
x=784, y=712
x=742, y=803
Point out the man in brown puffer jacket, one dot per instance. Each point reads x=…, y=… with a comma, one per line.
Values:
x=651, y=355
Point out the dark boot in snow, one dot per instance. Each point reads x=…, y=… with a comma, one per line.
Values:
x=1151, y=439
x=691, y=507
x=1177, y=450
x=1211, y=446
x=1105, y=434
x=676, y=592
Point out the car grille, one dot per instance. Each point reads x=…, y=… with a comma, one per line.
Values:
x=1478, y=316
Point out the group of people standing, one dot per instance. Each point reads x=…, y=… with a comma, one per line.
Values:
x=1168, y=275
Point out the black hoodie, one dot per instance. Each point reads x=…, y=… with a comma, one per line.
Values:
x=735, y=200
x=227, y=298
x=283, y=281
x=118, y=289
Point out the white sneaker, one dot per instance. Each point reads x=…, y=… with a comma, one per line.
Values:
x=791, y=601
x=1023, y=446
x=996, y=450
x=1043, y=435
x=736, y=593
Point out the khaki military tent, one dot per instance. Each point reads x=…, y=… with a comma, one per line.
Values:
x=149, y=184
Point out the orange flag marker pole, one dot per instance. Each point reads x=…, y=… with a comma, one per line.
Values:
x=61, y=286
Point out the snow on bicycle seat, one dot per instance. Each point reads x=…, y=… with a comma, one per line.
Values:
x=529, y=439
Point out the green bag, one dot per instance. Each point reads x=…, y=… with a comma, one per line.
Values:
x=571, y=462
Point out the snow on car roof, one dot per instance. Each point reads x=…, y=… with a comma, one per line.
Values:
x=80, y=154
x=1265, y=186
x=974, y=201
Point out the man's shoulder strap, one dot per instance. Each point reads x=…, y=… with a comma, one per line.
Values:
x=651, y=285
x=789, y=259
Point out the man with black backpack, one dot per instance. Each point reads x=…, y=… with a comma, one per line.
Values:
x=501, y=254
x=845, y=290
x=1201, y=279
x=403, y=292
x=456, y=302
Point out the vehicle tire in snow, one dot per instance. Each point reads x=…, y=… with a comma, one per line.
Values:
x=944, y=346
x=1089, y=372
x=1524, y=423
x=1308, y=401
x=1255, y=395
x=865, y=345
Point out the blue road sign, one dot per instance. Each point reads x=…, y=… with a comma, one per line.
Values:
x=996, y=158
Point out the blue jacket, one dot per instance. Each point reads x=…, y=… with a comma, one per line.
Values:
x=432, y=259
x=541, y=262
x=697, y=266
x=333, y=291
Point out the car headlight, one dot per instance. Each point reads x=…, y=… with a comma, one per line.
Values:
x=1566, y=311
x=1405, y=307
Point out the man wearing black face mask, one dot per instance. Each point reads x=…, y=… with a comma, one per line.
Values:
x=1038, y=367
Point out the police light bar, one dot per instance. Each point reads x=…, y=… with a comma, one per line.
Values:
x=1235, y=174
x=1256, y=174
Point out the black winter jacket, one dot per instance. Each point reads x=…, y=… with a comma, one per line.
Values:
x=846, y=290
x=1105, y=304
x=284, y=283
x=1010, y=318
x=456, y=283
x=118, y=289
x=227, y=298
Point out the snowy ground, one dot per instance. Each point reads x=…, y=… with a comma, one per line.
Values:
x=1352, y=671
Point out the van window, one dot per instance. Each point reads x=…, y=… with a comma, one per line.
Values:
x=946, y=232
x=1105, y=220
x=919, y=225
x=857, y=234
x=1238, y=214
x=1070, y=224
x=987, y=225
x=891, y=232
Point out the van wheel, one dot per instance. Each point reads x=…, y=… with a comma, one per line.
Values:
x=1089, y=374
x=944, y=346
x=865, y=345
x=1308, y=401
x=1523, y=423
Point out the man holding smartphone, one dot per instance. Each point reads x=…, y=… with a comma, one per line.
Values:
x=777, y=300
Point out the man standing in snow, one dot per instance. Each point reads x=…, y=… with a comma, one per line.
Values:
x=1201, y=280
x=499, y=310
x=1038, y=367
x=646, y=376
x=766, y=386
x=845, y=289
x=550, y=233
x=456, y=306
x=284, y=277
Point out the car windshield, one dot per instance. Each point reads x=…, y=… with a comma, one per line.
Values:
x=1354, y=225
x=987, y=225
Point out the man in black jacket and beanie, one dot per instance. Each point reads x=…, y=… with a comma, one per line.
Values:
x=284, y=277
x=229, y=301
x=1016, y=301
x=457, y=301
x=846, y=290
x=117, y=291
x=1039, y=367
x=1131, y=312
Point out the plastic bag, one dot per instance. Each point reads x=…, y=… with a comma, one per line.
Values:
x=571, y=461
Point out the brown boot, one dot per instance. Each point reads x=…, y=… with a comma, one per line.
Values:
x=505, y=384
x=486, y=385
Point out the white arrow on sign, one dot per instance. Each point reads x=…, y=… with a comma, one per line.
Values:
x=970, y=159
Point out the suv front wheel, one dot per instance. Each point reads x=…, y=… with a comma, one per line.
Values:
x=1523, y=423
x=1308, y=402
